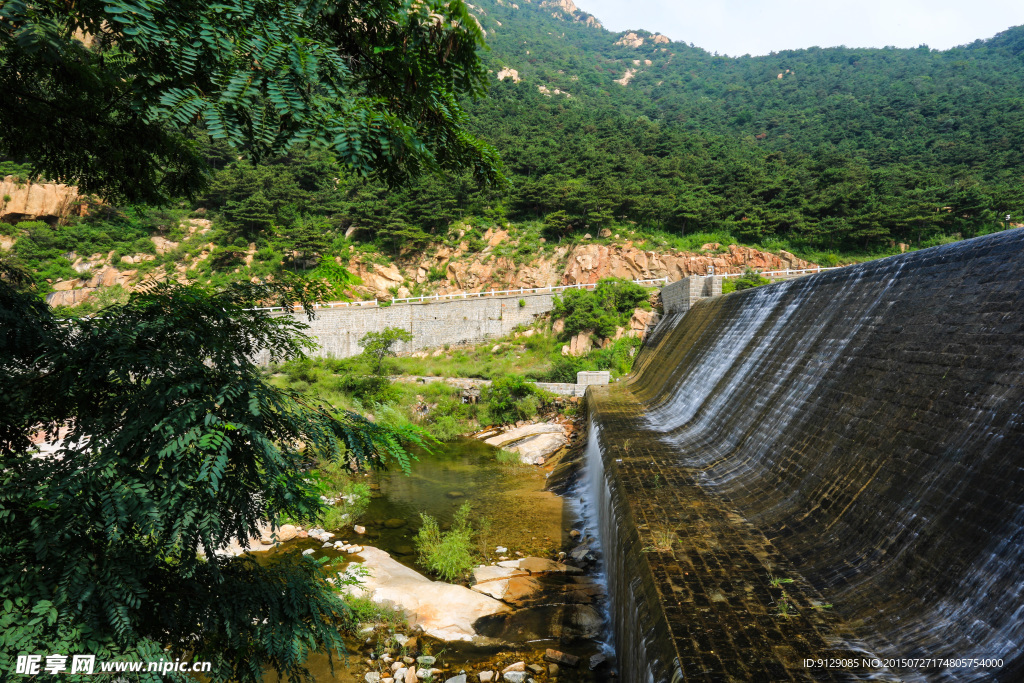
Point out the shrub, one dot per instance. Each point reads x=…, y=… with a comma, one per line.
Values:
x=750, y=279
x=437, y=273
x=522, y=303
x=511, y=398
x=446, y=554
x=361, y=610
x=608, y=306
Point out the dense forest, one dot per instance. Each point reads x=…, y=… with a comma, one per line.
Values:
x=829, y=149
x=823, y=151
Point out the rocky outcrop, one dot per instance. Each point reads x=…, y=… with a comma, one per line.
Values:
x=589, y=263
x=468, y=271
x=443, y=610
x=508, y=72
x=28, y=201
x=630, y=40
x=463, y=267
x=626, y=77
x=533, y=442
x=567, y=7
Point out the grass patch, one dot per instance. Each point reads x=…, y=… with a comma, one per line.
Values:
x=447, y=554
x=366, y=611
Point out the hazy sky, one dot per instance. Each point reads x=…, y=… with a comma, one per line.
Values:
x=757, y=27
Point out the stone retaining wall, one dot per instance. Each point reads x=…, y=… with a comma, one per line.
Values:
x=432, y=324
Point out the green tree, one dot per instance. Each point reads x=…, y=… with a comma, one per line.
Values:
x=252, y=215
x=558, y=224
x=310, y=237
x=168, y=442
x=379, y=346
x=103, y=93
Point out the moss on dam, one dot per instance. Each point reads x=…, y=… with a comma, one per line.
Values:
x=823, y=479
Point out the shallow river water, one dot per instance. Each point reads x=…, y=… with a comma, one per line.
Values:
x=520, y=516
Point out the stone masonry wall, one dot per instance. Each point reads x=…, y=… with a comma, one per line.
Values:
x=433, y=324
x=680, y=296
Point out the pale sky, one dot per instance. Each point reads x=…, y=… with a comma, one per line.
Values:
x=757, y=27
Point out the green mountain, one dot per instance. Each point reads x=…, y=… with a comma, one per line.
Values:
x=848, y=151
x=837, y=147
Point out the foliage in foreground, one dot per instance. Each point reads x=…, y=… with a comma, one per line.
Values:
x=172, y=442
x=115, y=112
x=448, y=554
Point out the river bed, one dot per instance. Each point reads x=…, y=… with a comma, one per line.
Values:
x=520, y=516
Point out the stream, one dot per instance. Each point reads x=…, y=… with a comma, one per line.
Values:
x=520, y=516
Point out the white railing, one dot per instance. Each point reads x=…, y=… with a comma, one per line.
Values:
x=465, y=295
x=783, y=273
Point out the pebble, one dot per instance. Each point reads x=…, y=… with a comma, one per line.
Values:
x=515, y=676
x=501, y=549
x=518, y=666
x=461, y=678
x=308, y=551
x=597, y=660
x=426, y=661
x=400, y=673
x=326, y=545
x=535, y=668
x=372, y=677
x=486, y=676
x=359, y=529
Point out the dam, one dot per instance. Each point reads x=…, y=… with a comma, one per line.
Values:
x=823, y=479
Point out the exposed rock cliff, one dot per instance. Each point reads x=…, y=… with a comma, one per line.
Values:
x=499, y=264
x=583, y=263
x=27, y=201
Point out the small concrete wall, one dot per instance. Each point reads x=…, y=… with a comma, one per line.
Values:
x=680, y=296
x=595, y=377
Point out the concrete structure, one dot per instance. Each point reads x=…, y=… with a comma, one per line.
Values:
x=433, y=324
x=433, y=321
x=680, y=296
x=587, y=378
x=827, y=469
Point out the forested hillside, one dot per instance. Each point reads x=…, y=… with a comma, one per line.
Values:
x=827, y=152
x=827, y=149
x=841, y=148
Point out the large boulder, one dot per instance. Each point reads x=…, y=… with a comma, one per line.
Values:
x=533, y=442
x=444, y=611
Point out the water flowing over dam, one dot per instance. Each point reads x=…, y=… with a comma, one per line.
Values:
x=823, y=479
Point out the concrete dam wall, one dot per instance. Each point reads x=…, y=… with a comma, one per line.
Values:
x=823, y=479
